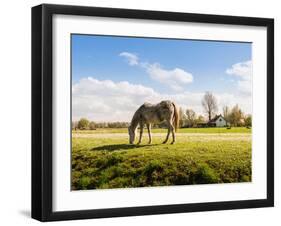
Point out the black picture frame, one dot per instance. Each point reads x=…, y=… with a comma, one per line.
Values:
x=42, y=107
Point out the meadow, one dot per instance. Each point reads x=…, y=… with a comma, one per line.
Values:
x=103, y=158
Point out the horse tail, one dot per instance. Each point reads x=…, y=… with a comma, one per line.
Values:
x=176, y=117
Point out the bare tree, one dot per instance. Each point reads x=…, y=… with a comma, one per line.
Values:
x=182, y=118
x=190, y=117
x=226, y=112
x=74, y=125
x=236, y=116
x=209, y=103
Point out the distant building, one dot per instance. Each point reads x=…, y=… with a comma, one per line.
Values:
x=218, y=121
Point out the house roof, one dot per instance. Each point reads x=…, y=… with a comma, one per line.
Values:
x=216, y=118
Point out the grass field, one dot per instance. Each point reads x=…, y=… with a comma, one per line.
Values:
x=103, y=158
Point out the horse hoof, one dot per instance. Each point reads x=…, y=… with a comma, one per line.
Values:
x=172, y=142
x=164, y=142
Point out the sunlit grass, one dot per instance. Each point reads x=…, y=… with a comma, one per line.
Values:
x=110, y=162
x=181, y=130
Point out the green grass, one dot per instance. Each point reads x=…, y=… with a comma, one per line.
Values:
x=109, y=162
x=182, y=130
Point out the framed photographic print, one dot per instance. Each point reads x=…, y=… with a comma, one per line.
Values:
x=145, y=112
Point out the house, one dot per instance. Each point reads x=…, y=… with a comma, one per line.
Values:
x=218, y=121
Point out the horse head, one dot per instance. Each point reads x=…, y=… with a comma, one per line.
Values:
x=132, y=134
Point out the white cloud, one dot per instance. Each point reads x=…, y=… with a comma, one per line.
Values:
x=117, y=101
x=243, y=71
x=106, y=100
x=174, y=78
x=130, y=57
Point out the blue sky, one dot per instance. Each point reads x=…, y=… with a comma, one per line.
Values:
x=167, y=66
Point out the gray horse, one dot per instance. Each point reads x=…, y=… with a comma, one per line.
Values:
x=149, y=113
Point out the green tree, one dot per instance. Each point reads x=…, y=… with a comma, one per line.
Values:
x=92, y=125
x=83, y=123
x=200, y=119
x=248, y=120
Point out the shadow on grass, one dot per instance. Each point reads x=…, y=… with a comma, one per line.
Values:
x=114, y=147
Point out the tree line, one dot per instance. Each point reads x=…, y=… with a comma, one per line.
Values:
x=84, y=124
x=234, y=116
x=187, y=118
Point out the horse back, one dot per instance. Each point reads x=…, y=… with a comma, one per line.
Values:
x=156, y=113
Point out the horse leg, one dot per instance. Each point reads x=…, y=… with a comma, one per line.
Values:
x=141, y=131
x=168, y=134
x=173, y=133
x=148, y=125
